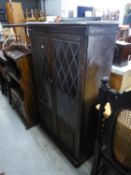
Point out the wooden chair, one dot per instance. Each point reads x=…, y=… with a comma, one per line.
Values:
x=113, y=143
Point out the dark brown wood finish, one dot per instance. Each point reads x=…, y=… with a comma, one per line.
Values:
x=122, y=52
x=22, y=86
x=69, y=61
x=112, y=146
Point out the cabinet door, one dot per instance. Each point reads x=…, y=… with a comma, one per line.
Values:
x=68, y=80
x=40, y=50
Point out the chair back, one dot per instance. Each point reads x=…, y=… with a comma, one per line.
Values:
x=114, y=131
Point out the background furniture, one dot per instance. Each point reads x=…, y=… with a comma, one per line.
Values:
x=3, y=18
x=34, y=15
x=15, y=15
x=122, y=53
x=21, y=82
x=68, y=62
x=120, y=78
x=113, y=143
x=82, y=9
x=123, y=32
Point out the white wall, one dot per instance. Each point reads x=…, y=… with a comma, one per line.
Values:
x=113, y=4
x=59, y=7
x=53, y=7
x=62, y=7
x=67, y=6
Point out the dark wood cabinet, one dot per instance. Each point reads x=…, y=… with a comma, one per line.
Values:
x=69, y=61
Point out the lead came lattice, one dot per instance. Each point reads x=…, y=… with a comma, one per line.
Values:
x=67, y=66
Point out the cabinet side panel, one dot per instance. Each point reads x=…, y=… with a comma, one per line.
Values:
x=100, y=51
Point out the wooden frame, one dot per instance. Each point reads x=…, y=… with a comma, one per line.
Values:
x=106, y=128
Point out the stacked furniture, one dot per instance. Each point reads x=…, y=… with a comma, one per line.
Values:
x=69, y=60
x=21, y=89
